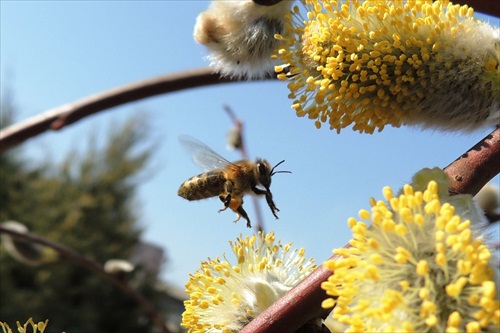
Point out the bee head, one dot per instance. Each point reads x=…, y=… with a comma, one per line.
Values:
x=265, y=172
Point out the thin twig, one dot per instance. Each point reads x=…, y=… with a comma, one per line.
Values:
x=95, y=267
x=67, y=114
x=303, y=303
x=259, y=225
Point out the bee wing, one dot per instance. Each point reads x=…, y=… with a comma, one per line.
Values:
x=203, y=155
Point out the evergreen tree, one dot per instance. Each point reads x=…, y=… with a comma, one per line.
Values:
x=87, y=204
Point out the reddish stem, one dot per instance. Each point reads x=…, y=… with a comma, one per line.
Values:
x=471, y=171
x=67, y=114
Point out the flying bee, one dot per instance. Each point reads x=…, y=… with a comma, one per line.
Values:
x=230, y=181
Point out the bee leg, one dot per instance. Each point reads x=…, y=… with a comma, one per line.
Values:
x=241, y=212
x=270, y=202
x=236, y=206
x=269, y=199
x=238, y=216
x=226, y=200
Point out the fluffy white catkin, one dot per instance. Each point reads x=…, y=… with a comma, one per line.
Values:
x=240, y=36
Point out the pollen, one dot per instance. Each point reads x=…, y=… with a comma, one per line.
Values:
x=422, y=268
x=371, y=64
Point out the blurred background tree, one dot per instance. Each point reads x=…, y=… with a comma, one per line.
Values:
x=86, y=202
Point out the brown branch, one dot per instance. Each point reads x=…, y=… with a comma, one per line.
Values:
x=469, y=173
x=95, y=267
x=67, y=114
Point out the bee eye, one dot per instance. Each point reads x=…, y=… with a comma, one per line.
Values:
x=264, y=174
x=262, y=168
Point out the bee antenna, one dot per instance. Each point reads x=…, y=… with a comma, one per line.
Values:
x=275, y=172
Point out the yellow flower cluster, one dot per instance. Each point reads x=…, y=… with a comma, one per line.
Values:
x=224, y=297
x=417, y=268
x=375, y=63
x=35, y=327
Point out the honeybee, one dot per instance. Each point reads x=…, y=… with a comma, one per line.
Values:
x=230, y=181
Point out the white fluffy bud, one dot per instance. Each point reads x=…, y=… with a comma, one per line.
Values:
x=240, y=36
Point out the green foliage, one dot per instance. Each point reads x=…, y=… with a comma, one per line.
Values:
x=87, y=204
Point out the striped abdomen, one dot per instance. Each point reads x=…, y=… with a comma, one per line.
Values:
x=202, y=186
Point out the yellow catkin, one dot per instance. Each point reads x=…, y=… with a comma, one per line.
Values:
x=369, y=64
x=370, y=288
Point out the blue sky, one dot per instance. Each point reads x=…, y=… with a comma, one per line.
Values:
x=55, y=52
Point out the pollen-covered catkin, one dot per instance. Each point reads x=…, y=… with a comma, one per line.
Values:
x=417, y=264
x=369, y=64
x=240, y=36
x=227, y=292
